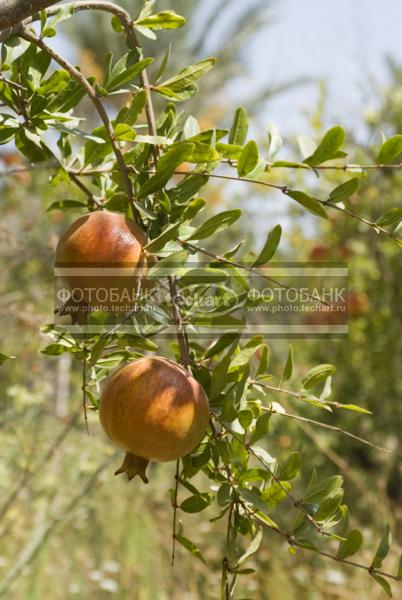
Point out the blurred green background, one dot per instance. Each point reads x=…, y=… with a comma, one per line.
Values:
x=68, y=528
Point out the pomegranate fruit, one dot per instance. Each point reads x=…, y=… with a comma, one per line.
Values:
x=155, y=410
x=100, y=256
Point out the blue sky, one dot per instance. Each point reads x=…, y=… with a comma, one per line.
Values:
x=342, y=42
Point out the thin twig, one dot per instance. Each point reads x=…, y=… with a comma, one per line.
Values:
x=285, y=190
x=175, y=507
x=326, y=426
x=84, y=387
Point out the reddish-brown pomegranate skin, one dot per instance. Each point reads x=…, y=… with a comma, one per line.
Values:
x=102, y=240
x=154, y=409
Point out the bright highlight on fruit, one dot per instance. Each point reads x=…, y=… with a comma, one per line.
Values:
x=155, y=410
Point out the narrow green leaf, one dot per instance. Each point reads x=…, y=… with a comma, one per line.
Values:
x=125, y=71
x=189, y=75
x=391, y=218
x=194, y=504
x=65, y=205
x=383, y=583
x=383, y=548
x=169, y=233
x=248, y=159
x=288, y=370
x=317, y=374
x=291, y=467
x=311, y=204
x=252, y=549
x=190, y=546
x=166, y=19
x=328, y=148
x=166, y=166
x=399, y=569
x=320, y=490
x=355, y=408
x=390, y=150
x=215, y=224
x=239, y=129
x=351, y=544
x=270, y=246
x=345, y=190
x=219, y=376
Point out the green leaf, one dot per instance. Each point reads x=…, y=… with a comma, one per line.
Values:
x=252, y=549
x=195, y=504
x=399, y=569
x=390, y=150
x=329, y=507
x=355, y=408
x=239, y=129
x=219, y=345
x=382, y=549
x=224, y=494
x=383, y=583
x=328, y=148
x=275, y=140
x=320, y=490
x=190, y=546
x=125, y=70
x=345, y=190
x=318, y=374
x=194, y=207
x=291, y=467
x=215, y=224
x=164, y=63
x=219, y=376
x=179, y=96
x=230, y=151
x=311, y=204
x=4, y=357
x=350, y=545
x=169, y=233
x=65, y=205
x=275, y=493
x=270, y=246
x=116, y=24
x=56, y=82
x=166, y=166
x=188, y=75
x=288, y=370
x=391, y=218
x=130, y=114
x=123, y=132
x=166, y=19
x=13, y=48
x=248, y=159
x=261, y=427
x=55, y=349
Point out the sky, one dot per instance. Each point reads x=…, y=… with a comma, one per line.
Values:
x=342, y=42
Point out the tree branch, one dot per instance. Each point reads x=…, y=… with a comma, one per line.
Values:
x=13, y=12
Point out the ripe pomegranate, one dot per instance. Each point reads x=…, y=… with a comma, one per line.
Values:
x=90, y=253
x=155, y=410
